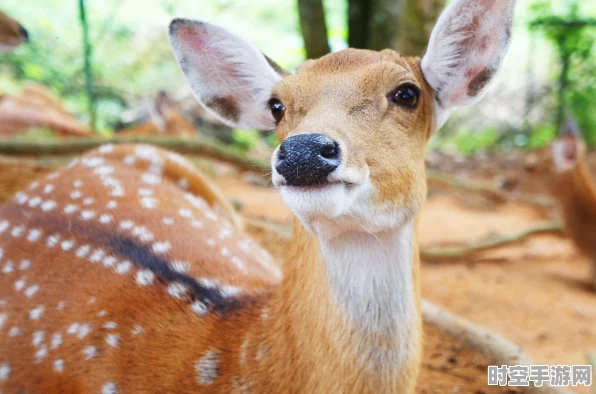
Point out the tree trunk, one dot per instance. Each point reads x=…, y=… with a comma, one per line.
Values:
x=314, y=28
x=403, y=25
x=416, y=24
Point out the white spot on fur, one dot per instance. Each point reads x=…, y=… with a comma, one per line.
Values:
x=21, y=198
x=224, y=252
x=38, y=337
x=112, y=205
x=34, y=185
x=59, y=365
x=168, y=221
x=238, y=263
x=183, y=183
x=71, y=208
x=145, y=277
x=83, y=330
x=14, y=331
x=107, y=148
x=77, y=183
x=126, y=224
x=196, y=224
x=177, y=290
x=211, y=216
x=3, y=318
x=73, y=328
x=109, y=388
x=92, y=300
x=88, y=201
x=8, y=267
x=92, y=161
x=102, y=313
x=41, y=353
x=48, y=189
x=67, y=245
x=34, y=235
x=129, y=160
x=151, y=179
x=60, y=305
x=87, y=214
x=185, y=213
x=56, y=341
x=137, y=330
x=105, y=218
x=149, y=202
x=75, y=195
x=199, y=308
x=53, y=240
x=181, y=266
x=161, y=247
x=25, y=265
x=123, y=267
x=31, y=290
x=83, y=251
x=90, y=352
x=207, y=367
x=34, y=201
x=96, y=256
x=18, y=231
x=4, y=372
x=230, y=291
x=4, y=225
x=48, y=205
x=110, y=325
x=113, y=340
x=143, y=233
x=19, y=284
x=109, y=261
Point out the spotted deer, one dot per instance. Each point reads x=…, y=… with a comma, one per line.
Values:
x=119, y=280
x=12, y=33
x=562, y=168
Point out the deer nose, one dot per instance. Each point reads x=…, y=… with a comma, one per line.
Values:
x=23, y=33
x=307, y=159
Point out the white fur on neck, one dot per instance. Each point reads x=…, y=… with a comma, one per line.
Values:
x=371, y=277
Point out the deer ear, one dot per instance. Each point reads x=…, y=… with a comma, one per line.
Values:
x=466, y=49
x=568, y=149
x=228, y=75
x=566, y=152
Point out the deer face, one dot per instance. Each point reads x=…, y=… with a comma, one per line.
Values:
x=12, y=34
x=353, y=125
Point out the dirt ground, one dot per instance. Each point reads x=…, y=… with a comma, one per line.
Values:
x=536, y=294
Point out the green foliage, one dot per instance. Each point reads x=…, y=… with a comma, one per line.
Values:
x=541, y=136
x=470, y=143
x=574, y=36
x=245, y=139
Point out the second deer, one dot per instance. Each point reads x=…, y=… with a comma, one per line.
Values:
x=562, y=167
x=118, y=281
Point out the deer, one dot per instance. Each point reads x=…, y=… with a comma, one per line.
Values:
x=564, y=171
x=125, y=277
x=165, y=120
x=12, y=33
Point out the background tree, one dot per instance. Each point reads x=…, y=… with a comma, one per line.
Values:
x=314, y=28
x=404, y=25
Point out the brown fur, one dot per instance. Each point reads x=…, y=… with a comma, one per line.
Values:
x=575, y=193
x=11, y=32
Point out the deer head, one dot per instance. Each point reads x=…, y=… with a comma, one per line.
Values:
x=353, y=124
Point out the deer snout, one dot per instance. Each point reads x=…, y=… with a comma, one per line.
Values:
x=23, y=33
x=307, y=159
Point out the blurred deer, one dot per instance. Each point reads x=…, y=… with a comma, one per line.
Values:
x=12, y=33
x=563, y=168
x=37, y=106
x=122, y=276
x=165, y=120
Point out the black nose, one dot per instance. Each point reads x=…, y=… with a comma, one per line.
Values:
x=24, y=33
x=307, y=159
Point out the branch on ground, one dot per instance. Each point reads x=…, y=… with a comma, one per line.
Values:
x=441, y=181
x=491, y=242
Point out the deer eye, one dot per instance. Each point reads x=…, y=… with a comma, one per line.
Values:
x=406, y=95
x=278, y=110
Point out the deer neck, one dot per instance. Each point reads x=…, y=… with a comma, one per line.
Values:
x=351, y=304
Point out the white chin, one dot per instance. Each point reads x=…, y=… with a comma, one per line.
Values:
x=320, y=207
